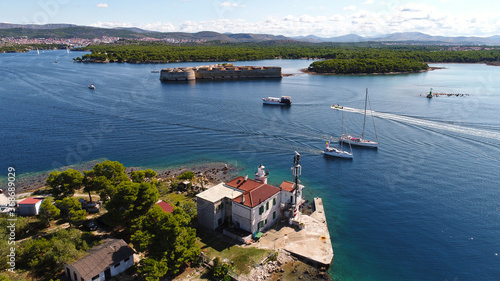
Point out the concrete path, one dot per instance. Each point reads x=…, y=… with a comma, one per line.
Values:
x=312, y=242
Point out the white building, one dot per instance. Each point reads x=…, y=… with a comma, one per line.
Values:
x=250, y=204
x=29, y=206
x=109, y=259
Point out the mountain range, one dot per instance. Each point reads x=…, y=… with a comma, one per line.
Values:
x=72, y=31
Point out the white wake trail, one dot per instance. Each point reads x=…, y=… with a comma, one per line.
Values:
x=429, y=124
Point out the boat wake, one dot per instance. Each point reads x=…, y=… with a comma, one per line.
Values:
x=430, y=124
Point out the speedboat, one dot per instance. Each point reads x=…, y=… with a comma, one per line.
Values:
x=92, y=87
x=284, y=100
x=337, y=106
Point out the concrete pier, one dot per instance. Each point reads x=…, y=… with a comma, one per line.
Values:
x=309, y=241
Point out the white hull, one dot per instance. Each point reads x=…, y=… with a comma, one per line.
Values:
x=358, y=141
x=274, y=101
x=92, y=87
x=335, y=152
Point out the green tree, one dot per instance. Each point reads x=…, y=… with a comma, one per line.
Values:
x=71, y=210
x=45, y=258
x=48, y=212
x=147, y=175
x=64, y=184
x=152, y=270
x=104, y=178
x=220, y=270
x=166, y=237
x=131, y=201
x=189, y=175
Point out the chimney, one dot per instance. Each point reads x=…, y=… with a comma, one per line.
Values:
x=246, y=177
x=242, y=198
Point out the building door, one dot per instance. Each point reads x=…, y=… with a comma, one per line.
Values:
x=107, y=274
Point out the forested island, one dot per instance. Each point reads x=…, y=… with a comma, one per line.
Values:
x=337, y=58
x=29, y=47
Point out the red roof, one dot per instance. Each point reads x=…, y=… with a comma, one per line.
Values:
x=245, y=185
x=165, y=206
x=255, y=191
x=29, y=201
x=288, y=186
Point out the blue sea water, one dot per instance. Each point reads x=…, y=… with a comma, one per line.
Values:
x=424, y=206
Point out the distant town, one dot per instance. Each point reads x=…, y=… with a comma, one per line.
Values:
x=82, y=42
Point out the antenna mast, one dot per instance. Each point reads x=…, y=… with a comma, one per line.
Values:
x=296, y=171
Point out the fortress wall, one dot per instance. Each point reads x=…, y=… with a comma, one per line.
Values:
x=177, y=74
x=219, y=72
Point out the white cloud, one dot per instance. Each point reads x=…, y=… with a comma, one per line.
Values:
x=367, y=2
x=234, y=5
x=102, y=5
x=350, y=8
x=409, y=17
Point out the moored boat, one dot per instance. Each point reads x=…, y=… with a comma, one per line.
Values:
x=91, y=85
x=284, y=100
x=337, y=152
x=358, y=141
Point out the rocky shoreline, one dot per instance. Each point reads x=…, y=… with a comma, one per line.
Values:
x=305, y=70
x=287, y=267
x=212, y=173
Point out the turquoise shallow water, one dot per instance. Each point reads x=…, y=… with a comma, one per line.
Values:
x=425, y=206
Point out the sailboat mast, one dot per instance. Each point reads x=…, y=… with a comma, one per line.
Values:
x=364, y=119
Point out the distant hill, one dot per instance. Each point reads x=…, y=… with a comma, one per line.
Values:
x=87, y=32
x=36, y=26
x=74, y=31
x=407, y=37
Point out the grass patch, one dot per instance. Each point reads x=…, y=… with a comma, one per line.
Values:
x=173, y=198
x=217, y=245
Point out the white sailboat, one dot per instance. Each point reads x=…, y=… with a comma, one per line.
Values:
x=91, y=85
x=67, y=50
x=37, y=52
x=361, y=141
x=338, y=151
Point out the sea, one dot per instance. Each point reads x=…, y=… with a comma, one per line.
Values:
x=425, y=205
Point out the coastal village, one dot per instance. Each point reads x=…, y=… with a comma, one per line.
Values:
x=290, y=231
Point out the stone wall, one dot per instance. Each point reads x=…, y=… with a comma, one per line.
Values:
x=219, y=72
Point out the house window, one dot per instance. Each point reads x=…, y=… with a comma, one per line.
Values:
x=95, y=277
x=261, y=210
x=265, y=222
x=274, y=201
x=291, y=199
x=274, y=215
x=117, y=265
x=127, y=259
x=74, y=274
x=219, y=222
x=267, y=205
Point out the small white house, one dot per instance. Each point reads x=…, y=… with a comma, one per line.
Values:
x=109, y=259
x=29, y=206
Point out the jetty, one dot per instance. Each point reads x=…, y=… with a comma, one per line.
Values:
x=219, y=72
x=309, y=241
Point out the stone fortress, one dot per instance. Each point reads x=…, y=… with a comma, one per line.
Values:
x=219, y=71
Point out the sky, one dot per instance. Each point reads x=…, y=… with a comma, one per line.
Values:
x=278, y=17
